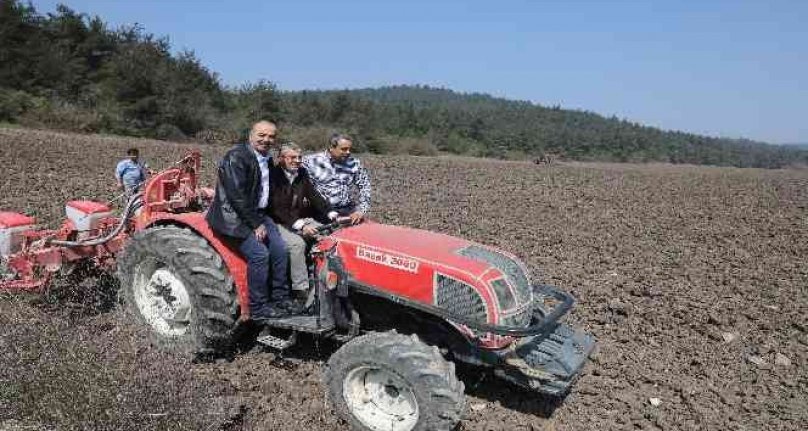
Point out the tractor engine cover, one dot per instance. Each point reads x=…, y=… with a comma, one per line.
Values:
x=469, y=280
x=86, y=215
x=12, y=227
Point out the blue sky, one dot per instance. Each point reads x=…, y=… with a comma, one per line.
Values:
x=722, y=68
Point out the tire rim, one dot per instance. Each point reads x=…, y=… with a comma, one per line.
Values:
x=380, y=399
x=162, y=299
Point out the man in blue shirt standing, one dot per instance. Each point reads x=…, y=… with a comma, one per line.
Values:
x=240, y=214
x=130, y=173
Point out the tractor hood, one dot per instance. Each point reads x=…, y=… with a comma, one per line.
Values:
x=412, y=243
x=478, y=282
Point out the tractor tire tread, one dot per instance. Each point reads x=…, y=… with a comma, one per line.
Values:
x=433, y=380
x=207, y=280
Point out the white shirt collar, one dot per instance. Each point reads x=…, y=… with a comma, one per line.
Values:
x=291, y=175
x=260, y=157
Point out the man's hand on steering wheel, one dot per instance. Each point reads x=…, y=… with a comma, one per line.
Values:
x=356, y=217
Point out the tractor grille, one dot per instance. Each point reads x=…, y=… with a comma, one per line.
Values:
x=511, y=268
x=459, y=298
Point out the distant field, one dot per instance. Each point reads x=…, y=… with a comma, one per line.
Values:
x=693, y=279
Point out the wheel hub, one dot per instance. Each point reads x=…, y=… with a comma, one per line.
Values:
x=163, y=300
x=380, y=399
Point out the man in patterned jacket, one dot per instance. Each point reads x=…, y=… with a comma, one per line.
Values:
x=335, y=173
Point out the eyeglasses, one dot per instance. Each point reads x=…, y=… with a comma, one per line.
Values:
x=292, y=157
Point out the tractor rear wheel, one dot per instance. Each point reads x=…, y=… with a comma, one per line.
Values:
x=389, y=381
x=176, y=285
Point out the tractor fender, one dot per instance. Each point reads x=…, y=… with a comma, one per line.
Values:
x=197, y=223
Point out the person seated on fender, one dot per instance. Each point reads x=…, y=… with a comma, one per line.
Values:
x=239, y=215
x=298, y=209
x=337, y=174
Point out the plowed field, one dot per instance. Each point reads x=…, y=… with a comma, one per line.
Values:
x=694, y=280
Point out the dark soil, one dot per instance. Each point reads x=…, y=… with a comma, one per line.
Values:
x=693, y=279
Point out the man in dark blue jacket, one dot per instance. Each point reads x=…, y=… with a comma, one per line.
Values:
x=240, y=212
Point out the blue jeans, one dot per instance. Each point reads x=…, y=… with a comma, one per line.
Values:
x=260, y=256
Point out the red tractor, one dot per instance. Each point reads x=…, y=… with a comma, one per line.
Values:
x=406, y=303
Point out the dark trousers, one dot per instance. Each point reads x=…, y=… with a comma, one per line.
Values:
x=260, y=257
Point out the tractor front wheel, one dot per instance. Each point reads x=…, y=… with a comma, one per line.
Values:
x=389, y=381
x=176, y=285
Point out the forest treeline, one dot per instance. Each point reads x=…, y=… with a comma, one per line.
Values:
x=69, y=70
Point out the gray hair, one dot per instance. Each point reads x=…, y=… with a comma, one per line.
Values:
x=336, y=137
x=289, y=146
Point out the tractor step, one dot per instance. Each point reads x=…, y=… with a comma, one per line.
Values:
x=277, y=343
x=302, y=323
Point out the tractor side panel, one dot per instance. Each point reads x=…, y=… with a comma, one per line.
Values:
x=406, y=276
x=234, y=262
